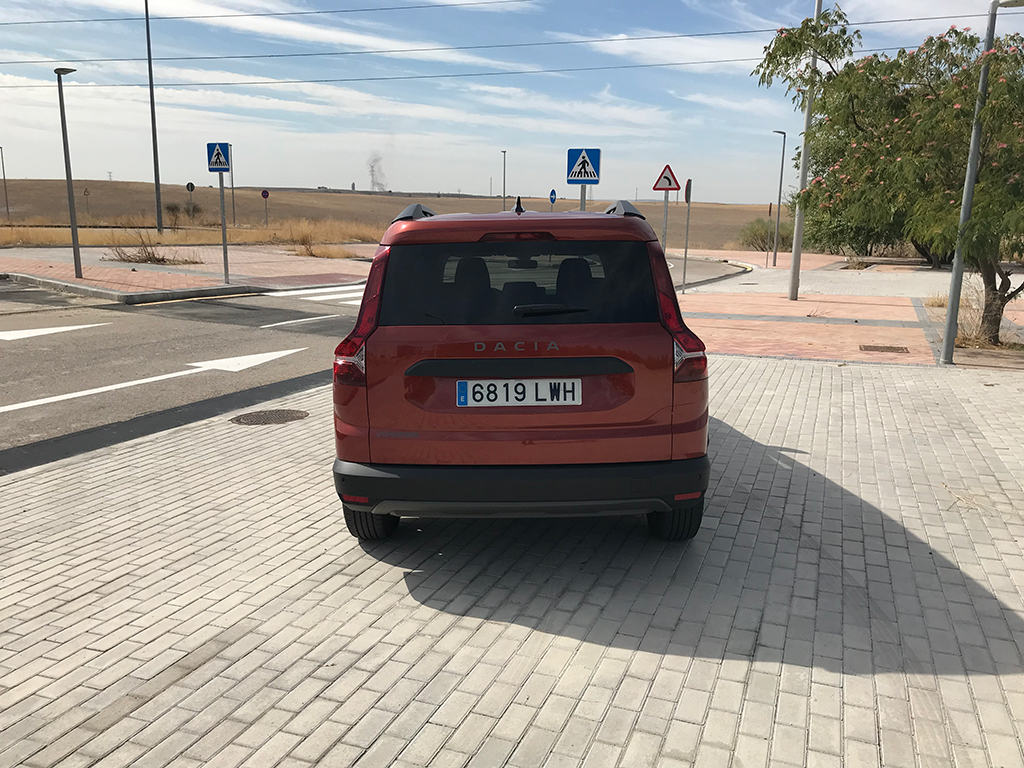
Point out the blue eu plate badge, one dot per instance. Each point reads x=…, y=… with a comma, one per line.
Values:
x=462, y=393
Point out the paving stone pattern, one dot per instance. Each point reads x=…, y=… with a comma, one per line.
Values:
x=854, y=598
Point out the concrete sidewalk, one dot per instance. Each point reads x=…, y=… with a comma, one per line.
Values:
x=854, y=598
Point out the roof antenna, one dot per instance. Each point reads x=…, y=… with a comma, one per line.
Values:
x=519, y=205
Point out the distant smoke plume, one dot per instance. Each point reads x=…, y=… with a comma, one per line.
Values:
x=378, y=182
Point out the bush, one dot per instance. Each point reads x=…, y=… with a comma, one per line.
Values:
x=192, y=210
x=759, y=235
x=173, y=211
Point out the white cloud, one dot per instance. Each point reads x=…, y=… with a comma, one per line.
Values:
x=322, y=31
x=722, y=49
x=755, y=105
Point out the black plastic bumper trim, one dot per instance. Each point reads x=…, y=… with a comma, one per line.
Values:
x=507, y=491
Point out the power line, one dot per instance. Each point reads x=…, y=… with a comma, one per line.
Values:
x=422, y=6
x=391, y=78
x=456, y=48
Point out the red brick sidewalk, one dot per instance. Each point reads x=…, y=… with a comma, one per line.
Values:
x=821, y=328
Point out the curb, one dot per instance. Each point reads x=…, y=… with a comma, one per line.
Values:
x=744, y=269
x=133, y=297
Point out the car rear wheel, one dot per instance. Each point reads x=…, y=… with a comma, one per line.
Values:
x=678, y=524
x=369, y=527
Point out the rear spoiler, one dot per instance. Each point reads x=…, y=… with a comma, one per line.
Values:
x=413, y=212
x=624, y=208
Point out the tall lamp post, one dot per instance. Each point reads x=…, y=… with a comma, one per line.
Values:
x=7, y=202
x=503, y=179
x=778, y=205
x=973, y=159
x=60, y=72
x=152, y=117
x=805, y=157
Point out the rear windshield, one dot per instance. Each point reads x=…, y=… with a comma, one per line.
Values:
x=519, y=283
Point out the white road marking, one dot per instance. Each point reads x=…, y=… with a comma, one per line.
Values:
x=313, y=291
x=332, y=296
x=232, y=364
x=27, y=334
x=300, y=320
x=353, y=303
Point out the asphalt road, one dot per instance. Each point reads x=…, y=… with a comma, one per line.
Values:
x=126, y=344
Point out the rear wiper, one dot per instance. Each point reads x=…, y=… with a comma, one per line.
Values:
x=533, y=310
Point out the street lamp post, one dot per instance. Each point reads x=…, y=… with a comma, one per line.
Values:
x=152, y=117
x=503, y=179
x=805, y=158
x=60, y=72
x=7, y=202
x=973, y=159
x=778, y=205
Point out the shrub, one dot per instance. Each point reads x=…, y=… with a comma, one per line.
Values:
x=759, y=235
x=173, y=211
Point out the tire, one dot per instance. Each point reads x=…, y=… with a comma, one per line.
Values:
x=366, y=526
x=679, y=524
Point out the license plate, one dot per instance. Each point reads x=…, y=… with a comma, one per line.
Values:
x=504, y=392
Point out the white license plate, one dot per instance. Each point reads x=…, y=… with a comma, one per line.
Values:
x=503, y=392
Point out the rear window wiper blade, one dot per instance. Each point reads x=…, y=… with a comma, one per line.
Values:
x=533, y=310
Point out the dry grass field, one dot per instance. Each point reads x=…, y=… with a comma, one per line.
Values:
x=295, y=216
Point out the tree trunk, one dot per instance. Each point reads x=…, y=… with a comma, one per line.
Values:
x=926, y=252
x=995, y=297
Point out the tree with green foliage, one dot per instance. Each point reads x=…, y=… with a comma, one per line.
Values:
x=889, y=140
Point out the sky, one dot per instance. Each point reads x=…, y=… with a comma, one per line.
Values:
x=435, y=89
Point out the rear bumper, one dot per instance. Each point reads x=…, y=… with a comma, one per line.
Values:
x=519, y=491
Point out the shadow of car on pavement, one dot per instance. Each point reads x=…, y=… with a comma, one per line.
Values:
x=788, y=567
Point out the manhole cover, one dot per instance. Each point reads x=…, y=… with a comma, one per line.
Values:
x=255, y=418
x=883, y=348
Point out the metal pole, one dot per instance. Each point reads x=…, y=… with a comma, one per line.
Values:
x=223, y=225
x=664, y=225
x=778, y=206
x=231, y=157
x=503, y=179
x=973, y=159
x=686, y=244
x=152, y=116
x=67, y=169
x=266, y=213
x=7, y=202
x=583, y=197
x=805, y=157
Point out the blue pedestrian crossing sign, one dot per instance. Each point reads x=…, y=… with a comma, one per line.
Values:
x=584, y=166
x=552, y=197
x=218, y=154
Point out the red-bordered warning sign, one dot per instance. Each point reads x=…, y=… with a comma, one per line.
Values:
x=667, y=181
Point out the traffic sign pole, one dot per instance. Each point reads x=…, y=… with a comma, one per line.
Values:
x=664, y=225
x=223, y=226
x=266, y=215
x=686, y=244
x=583, y=197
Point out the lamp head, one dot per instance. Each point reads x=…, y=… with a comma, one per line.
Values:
x=59, y=71
x=1011, y=3
x=781, y=133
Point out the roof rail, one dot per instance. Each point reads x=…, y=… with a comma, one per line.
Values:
x=624, y=208
x=413, y=212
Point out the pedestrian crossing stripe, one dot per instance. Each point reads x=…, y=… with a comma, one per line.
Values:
x=351, y=294
x=583, y=170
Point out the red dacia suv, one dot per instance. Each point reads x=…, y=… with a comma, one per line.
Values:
x=520, y=364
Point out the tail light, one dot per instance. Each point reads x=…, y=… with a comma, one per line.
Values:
x=689, y=361
x=350, y=355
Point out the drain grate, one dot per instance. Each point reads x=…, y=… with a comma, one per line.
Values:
x=257, y=418
x=883, y=348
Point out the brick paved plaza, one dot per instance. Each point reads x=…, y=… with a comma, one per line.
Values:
x=854, y=598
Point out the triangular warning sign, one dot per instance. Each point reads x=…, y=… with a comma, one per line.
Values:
x=667, y=181
x=583, y=169
x=217, y=159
